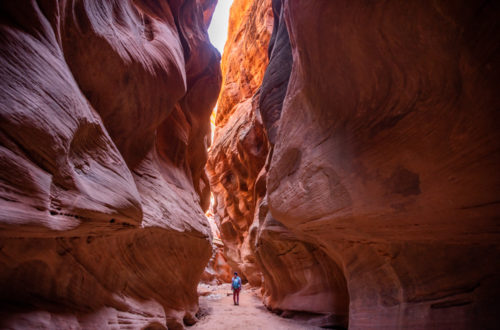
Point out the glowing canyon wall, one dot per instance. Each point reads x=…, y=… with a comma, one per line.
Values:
x=359, y=182
x=105, y=110
x=239, y=149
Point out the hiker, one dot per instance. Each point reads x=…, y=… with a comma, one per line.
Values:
x=236, y=286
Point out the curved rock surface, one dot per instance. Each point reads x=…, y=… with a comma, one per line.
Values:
x=105, y=110
x=378, y=205
x=244, y=60
x=239, y=149
x=217, y=271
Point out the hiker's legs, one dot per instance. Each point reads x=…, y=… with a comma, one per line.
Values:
x=237, y=296
x=234, y=296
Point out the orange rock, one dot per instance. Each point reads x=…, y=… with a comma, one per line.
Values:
x=239, y=148
x=245, y=54
x=105, y=119
x=378, y=205
x=217, y=271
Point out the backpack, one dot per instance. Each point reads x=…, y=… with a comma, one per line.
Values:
x=236, y=283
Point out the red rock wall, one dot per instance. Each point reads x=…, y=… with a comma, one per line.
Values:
x=218, y=270
x=105, y=111
x=239, y=149
x=380, y=201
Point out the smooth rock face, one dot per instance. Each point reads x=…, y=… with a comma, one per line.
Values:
x=104, y=126
x=378, y=206
x=239, y=149
x=275, y=82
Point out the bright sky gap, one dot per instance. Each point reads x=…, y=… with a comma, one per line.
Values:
x=217, y=31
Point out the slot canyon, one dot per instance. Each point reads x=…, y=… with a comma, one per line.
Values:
x=351, y=176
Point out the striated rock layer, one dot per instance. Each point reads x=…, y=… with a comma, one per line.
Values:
x=217, y=271
x=105, y=110
x=239, y=148
x=377, y=207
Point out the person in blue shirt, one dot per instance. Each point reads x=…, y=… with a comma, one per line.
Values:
x=236, y=286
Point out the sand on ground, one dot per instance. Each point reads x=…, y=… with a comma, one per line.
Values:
x=219, y=313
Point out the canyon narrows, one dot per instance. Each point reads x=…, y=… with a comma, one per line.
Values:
x=354, y=167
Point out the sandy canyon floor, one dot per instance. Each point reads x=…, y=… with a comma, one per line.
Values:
x=219, y=312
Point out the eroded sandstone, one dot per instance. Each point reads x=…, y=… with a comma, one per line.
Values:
x=105, y=122
x=239, y=149
x=377, y=207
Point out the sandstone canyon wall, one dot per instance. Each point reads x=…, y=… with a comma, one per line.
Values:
x=105, y=110
x=239, y=149
x=377, y=206
x=217, y=270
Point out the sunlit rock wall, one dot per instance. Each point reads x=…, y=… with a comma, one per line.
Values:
x=105, y=111
x=379, y=207
x=239, y=149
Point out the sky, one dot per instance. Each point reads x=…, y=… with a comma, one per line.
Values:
x=217, y=30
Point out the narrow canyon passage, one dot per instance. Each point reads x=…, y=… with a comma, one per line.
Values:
x=219, y=312
x=349, y=174
x=338, y=165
